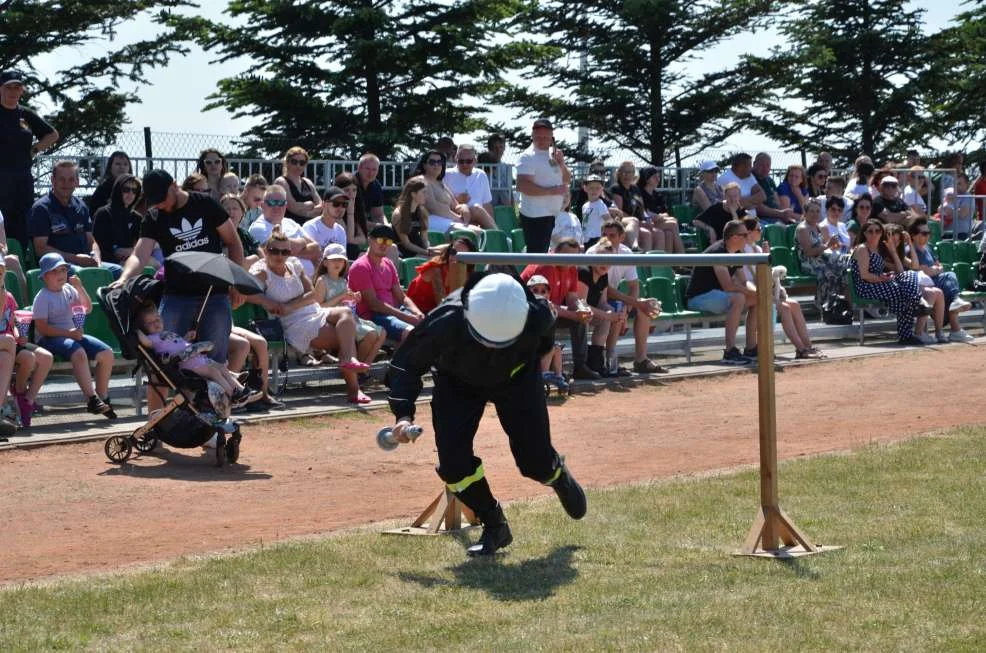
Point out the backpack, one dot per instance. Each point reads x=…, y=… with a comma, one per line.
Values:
x=837, y=310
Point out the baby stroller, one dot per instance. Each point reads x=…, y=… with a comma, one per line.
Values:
x=198, y=411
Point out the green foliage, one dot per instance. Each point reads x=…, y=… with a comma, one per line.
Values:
x=340, y=78
x=89, y=107
x=634, y=90
x=846, y=81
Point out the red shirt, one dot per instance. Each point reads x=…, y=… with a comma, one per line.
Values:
x=561, y=280
x=979, y=188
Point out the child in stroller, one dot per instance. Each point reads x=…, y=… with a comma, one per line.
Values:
x=190, y=355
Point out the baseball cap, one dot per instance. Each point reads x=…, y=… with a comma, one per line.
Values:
x=706, y=166
x=334, y=250
x=51, y=261
x=537, y=280
x=11, y=77
x=542, y=123
x=333, y=192
x=592, y=178
x=156, y=184
x=383, y=231
x=889, y=179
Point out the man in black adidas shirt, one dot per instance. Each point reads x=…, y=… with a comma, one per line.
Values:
x=181, y=221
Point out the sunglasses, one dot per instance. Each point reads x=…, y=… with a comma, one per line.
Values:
x=275, y=202
x=380, y=240
x=434, y=162
x=131, y=189
x=297, y=162
x=274, y=251
x=923, y=233
x=212, y=162
x=873, y=231
x=742, y=234
x=340, y=204
x=467, y=161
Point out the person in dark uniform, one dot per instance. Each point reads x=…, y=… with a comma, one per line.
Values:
x=483, y=344
x=19, y=126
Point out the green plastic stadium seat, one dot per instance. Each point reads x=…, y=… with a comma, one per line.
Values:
x=963, y=271
x=436, y=238
x=408, y=269
x=14, y=249
x=495, y=240
x=98, y=326
x=505, y=218
x=966, y=252
x=776, y=235
x=10, y=282
x=946, y=252
x=517, y=242
x=34, y=285
x=93, y=279
x=935, y=228
x=464, y=233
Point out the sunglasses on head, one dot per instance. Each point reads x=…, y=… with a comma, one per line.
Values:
x=270, y=202
x=276, y=251
x=380, y=240
x=297, y=162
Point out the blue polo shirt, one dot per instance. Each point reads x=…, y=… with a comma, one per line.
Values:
x=65, y=226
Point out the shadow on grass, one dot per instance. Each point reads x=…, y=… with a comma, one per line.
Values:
x=798, y=568
x=167, y=463
x=531, y=580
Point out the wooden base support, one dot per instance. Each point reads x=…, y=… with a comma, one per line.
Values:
x=445, y=510
x=771, y=526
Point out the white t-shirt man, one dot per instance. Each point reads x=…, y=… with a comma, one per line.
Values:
x=746, y=187
x=545, y=173
x=594, y=214
x=618, y=273
x=913, y=198
x=261, y=230
x=476, y=185
x=323, y=234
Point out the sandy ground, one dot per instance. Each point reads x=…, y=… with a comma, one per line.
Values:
x=68, y=510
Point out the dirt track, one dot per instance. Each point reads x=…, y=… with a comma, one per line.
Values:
x=66, y=509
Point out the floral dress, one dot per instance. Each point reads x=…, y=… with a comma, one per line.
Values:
x=828, y=268
x=901, y=294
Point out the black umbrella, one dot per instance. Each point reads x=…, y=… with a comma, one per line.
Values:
x=216, y=270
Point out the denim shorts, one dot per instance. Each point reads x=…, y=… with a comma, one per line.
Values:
x=713, y=301
x=179, y=311
x=394, y=327
x=65, y=347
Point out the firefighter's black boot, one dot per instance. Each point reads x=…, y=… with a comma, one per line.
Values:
x=496, y=533
x=569, y=493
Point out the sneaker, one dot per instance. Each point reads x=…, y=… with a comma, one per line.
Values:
x=585, y=374
x=941, y=338
x=913, y=341
x=926, y=339
x=7, y=427
x=808, y=353
x=960, y=336
x=97, y=406
x=570, y=493
x=270, y=402
x=26, y=408
x=751, y=352
x=733, y=356
x=959, y=305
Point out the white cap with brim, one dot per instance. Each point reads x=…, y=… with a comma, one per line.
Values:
x=889, y=179
x=707, y=166
x=537, y=280
x=496, y=310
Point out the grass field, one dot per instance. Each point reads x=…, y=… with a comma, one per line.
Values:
x=649, y=569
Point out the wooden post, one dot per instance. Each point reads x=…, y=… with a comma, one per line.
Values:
x=445, y=510
x=771, y=525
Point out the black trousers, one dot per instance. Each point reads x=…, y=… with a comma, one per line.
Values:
x=580, y=339
x=523, y=413
x=16, y=200
x=537, y=232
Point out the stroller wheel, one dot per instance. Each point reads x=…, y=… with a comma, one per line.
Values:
x=233, y=447
x=145, y=443
x=220, y=449
x=118, y=448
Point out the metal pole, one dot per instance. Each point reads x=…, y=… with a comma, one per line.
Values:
x=657, y=260
x=148, y=153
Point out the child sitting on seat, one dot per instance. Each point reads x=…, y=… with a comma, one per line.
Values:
x=169, y=344
x=55, y=307
x=550, y=364
x=31, y=361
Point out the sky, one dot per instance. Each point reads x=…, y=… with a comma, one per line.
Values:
x=173, y=101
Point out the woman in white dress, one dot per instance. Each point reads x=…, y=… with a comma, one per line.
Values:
x=288, y=293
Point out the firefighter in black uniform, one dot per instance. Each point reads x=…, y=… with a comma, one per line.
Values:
x=483, y=344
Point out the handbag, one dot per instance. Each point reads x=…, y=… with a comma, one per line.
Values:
x=270, y=328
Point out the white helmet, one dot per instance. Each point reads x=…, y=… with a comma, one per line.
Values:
x=496, y=310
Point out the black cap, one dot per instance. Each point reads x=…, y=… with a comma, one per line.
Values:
x=542, y=122
x=332, y=192
x=8, y=76
x=156, y=184
x=383, y=231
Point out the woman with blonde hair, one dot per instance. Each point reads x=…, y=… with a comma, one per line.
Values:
x=627, y=198
x=444, y=213
x=304, y=202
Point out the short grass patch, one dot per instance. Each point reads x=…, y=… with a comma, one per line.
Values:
x=649, y=569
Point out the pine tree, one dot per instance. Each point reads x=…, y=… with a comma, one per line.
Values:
x=845, y=81
x=87, y=106
x=633, y=88
x=348, y=76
